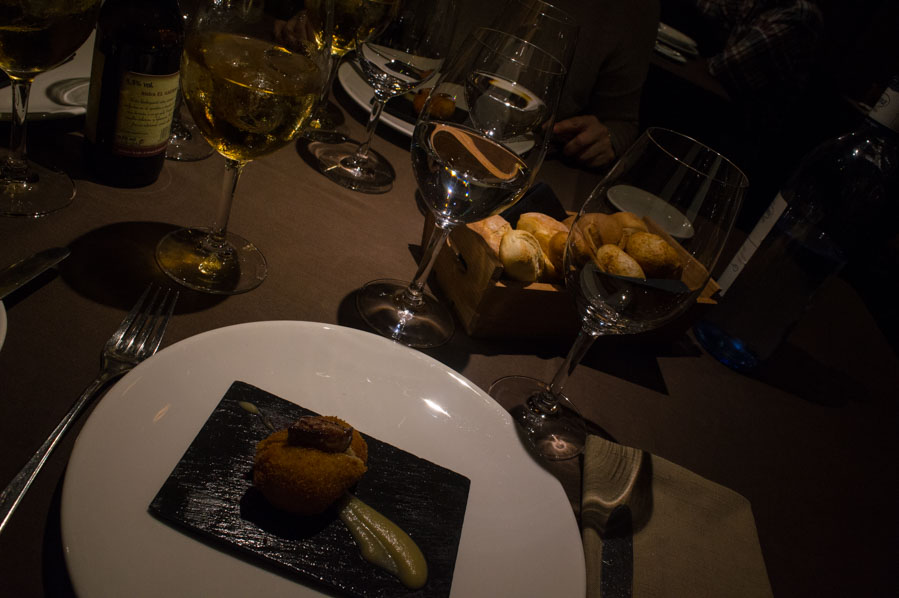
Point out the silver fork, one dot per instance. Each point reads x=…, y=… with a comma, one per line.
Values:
x=137, y=338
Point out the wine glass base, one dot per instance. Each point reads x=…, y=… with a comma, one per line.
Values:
x=323, y=125
x=555, y=436
x=195, y=259
x=38, y=193
x=372, y=175
x=380, y=304
x=187, y=146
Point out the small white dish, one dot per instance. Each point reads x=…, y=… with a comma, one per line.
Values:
x=58, y=93
x=628, y=198
x=677, y=40
x=140, y=430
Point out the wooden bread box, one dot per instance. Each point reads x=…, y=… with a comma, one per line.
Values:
x=470, y=278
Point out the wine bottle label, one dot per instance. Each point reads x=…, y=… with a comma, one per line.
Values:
x=886, y=110
x=751, y=244
x=146, y=107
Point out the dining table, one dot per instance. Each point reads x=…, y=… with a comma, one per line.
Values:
x=810, y=441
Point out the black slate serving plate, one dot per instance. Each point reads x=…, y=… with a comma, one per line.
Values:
x=210, y=495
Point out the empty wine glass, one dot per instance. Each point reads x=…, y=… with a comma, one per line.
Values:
x=400, y=56
x=250, y=94
x=36, y=37
x=338, y=25
x=542, y=24
x=638, y=254
x=477, y=145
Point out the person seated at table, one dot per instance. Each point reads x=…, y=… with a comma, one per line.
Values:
x=599, y=112
x=764, y=44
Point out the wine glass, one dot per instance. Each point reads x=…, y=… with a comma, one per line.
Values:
x=666, y=207
x=476, y=147
x=186, y=143
x=338, y=25
x=36, y=37
x=397, y=58
x=542, y=24
x=250, y=94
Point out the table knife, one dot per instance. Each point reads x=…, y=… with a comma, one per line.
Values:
x=616, y=576
x=14, y=276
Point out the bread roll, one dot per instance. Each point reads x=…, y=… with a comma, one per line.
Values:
x=592, y=231
x=521, y=256
x=556, y=253
x=492, y=230
x=543, y=227
x=629, y=220
x=613, y=260
x=657, y=258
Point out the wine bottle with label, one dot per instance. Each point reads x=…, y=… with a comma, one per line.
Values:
x=133, y=90
x=838, y=208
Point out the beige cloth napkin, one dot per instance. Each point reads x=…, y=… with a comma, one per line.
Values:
x=691, y=537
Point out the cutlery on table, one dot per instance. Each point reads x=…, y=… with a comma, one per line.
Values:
x=20, y=273
x=137, y=338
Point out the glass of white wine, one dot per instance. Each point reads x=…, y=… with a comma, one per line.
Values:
x=400, y=56
x=36, y=37
x=477, y=145
x=250, y=92
x=638, y=254
x=338, y=25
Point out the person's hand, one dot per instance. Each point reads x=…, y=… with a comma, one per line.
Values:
x=586, y=140
x=295, y=33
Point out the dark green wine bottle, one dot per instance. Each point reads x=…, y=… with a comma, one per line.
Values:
x=134, y=86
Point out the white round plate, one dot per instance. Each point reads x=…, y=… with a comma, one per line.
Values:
x=644, y=204
x=516, y=511
x=2, y=324
x=60, y=92
x=362, y=94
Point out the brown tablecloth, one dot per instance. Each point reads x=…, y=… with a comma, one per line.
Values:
x=820, y=478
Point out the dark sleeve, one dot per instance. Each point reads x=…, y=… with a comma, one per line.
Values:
x=615, y=97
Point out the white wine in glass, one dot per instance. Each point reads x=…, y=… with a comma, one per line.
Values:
x=638, y=254
x=249, y=97
x=36, y=37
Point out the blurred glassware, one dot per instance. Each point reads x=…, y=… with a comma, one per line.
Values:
x=35, y=38
x=338, y=25
x=631, y=275
x=399, y=56
x=186, y=143
x=477, y=145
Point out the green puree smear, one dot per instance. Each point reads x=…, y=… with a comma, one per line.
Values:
x=383, y=543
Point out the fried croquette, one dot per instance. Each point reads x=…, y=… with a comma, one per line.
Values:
x=304, y=480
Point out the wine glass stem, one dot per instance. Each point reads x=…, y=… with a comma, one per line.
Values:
x=362, y=151
x=412, y=294
x=581, y=345
x=16, y=163
x=333, y=65
x=233, y=168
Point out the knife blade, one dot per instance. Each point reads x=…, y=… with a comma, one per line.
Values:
x=616, y=576
x=18, y=274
